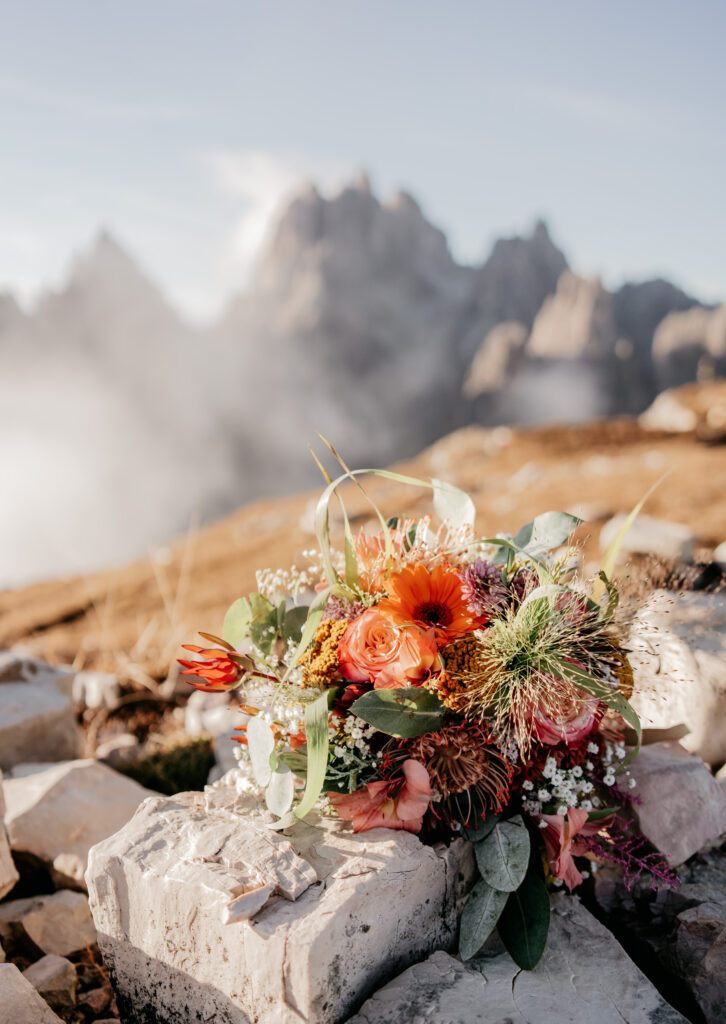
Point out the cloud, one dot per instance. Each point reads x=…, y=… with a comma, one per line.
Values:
x=261, y=181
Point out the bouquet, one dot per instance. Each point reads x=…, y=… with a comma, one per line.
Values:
x=453, y=685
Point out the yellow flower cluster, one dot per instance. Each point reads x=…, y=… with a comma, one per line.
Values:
x=320, y=662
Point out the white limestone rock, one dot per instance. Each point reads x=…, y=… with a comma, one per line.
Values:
x=678, y=654
x=55, y=979
x=719, y=555
x=58, y=924
x=344, y=912
x=584, y=977
x=57, y=812
x=8, y=873
x=37, y=721
x=683, y=806
x=650, y=536
x=92, y=689
x=19, y=1002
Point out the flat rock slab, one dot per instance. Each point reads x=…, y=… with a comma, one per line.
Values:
x=681, y=931
x=58, y=812
x=683, y=806
x=37, y=721
x=338, y=913
x=19, y=1002
x=584, y=977
x=678, y=653
x=58, y=924
x=8, y=872
x=55, y=979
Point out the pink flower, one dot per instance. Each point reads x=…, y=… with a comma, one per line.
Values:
x=570, y=726
x=397, y=804
x=375, y=650
x=560, y=844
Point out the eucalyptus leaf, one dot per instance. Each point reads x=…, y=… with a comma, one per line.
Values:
x=260, y=745
x=546, y=531
x=280, y=791
x=452, y=504
x=502, y=857
x=264, y=624
x=482, y=830
x=403, y=713
x=294, y=622
x=237, y=622
x=525, y=921
x=479, y=918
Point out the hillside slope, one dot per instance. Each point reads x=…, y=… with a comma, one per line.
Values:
x=131, y=619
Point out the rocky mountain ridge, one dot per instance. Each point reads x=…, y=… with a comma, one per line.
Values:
x=358, y=324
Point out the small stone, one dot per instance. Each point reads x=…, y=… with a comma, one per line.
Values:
x=19, y=1002
x=58, y=812
x=97, y=999
x=584, y=977
x=55, y=979
x=8, y=871
x=37, y=720
x=682, y=808
x=59, y=924
x=649, y=536
x=119, y=749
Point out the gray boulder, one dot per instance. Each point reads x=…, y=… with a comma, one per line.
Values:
x=678, y=653
x=37, y=722
x=19, y=1002
x=584, y=977
x=683, y=807
x=680, y=932
x=57, y=812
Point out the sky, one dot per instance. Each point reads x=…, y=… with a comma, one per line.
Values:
x=182, y=125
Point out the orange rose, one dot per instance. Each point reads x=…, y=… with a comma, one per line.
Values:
x=375, y=650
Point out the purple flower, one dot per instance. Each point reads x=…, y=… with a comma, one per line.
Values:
x=484, y=588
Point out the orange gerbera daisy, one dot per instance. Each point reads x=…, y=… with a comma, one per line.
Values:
x=431, y=599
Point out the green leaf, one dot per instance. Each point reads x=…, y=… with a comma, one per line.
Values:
x=294, y=623
x=237, y=622
x=525, y=922
x=611, y=555
x=315, y=615
x=453, y=504
x=545, y=532
x=296, y=760
x=502, y=857
x=263, y=628
x=404, y=713
x=316, y=731
x=482, y=830
x=479, y=918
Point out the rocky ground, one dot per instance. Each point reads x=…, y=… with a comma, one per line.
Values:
x=84, y=740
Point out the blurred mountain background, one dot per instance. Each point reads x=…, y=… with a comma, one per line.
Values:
x=132, y=411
